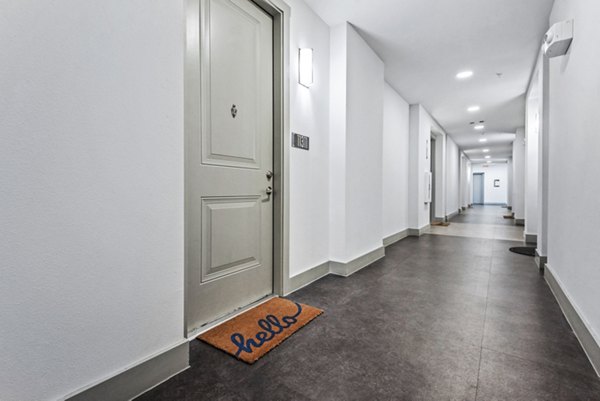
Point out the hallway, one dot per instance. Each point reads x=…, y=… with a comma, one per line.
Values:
x=481, y=221
x=439, y=318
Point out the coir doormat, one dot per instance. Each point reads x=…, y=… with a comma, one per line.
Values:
x=257, y=331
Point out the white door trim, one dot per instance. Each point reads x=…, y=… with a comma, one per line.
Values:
x=280, y=12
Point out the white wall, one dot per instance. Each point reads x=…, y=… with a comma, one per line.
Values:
x=452, y=176
x=531, y=161
x=509, y=188
x=494, y=171
x=574, y=216
x=361, y=113
x=518, y=176
x=395, y=162
x=309, y=170
x=421, y=126
x=337, y=143
x=91, y=188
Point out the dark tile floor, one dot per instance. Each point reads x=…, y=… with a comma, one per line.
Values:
x=489, y=214
x=439, y=318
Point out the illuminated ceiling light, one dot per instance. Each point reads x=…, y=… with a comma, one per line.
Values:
x=488, y=157
x=489, y=162
x=473, y=109
x=479, y=127
x=483, y=140
x=464, y=75
x=305, y=67
x=486, y=150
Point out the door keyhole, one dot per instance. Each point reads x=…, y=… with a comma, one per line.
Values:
x=234, y=111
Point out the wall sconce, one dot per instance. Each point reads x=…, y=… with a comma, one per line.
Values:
x=305, y=67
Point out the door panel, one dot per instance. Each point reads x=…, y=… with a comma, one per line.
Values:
x=230, y=251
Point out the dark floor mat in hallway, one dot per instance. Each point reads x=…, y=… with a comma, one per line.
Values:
x=523, y=250
x=252, y=334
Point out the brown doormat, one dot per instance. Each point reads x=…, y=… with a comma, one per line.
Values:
x=257, y=331
x=441, y=223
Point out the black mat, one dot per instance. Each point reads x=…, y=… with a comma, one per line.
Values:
x=523, y=250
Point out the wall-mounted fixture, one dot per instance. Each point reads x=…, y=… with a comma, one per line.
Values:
x=305, y=67
x=558, y=39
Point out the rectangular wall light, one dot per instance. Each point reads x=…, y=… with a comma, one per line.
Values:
x=305, y=67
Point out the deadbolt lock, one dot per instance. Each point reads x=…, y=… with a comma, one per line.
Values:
x=269, y=174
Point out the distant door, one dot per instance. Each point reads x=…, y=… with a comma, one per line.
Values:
x=230, y=250
x=478, y=188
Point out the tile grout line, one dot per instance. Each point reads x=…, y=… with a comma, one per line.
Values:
x=487, y=294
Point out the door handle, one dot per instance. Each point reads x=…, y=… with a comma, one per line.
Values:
x=269, y=191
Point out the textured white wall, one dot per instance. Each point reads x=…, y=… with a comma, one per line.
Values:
x=452, y=176
x=91, y=188
x=309, y=171
x=364, y=147
x=574, y=216
x=395, y=162
x=518, y=177
x=531, y=163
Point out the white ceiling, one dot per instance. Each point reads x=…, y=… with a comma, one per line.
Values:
x=425, y=43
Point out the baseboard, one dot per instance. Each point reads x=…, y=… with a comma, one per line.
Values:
x=589, y=342
x=138, y=378
x=451, y=215
x=311, y=275
x=530, y=238
x=417, y=232
x=520, y=222
x=392, y=239
x=540, y=260
x=346, y=269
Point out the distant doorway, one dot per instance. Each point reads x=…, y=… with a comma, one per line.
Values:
x=433, y=166
x=478, y=188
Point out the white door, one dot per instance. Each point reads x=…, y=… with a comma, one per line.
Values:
x=230, y=244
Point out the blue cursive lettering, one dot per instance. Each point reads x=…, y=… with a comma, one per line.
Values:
x=271, y=326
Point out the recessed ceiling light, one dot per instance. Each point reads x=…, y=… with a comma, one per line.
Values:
x=473, y=109
x=488, y=157
x=486, y=150
x=479, y=127
x=464, y=75
x=483, y=140
x=488, y=162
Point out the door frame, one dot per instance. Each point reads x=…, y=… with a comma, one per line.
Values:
x=280, y=12
x=482, y=175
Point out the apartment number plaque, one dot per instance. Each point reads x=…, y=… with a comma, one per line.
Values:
x=300, y=141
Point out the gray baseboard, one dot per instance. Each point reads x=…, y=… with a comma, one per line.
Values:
x=520, y=222
x=581, y=330
x=530, y=238
x=139, y=378
x=540, y=260
x=345, y=269
x=453, y=214
x=417, y=232
x=305, y=278
x=392, y=239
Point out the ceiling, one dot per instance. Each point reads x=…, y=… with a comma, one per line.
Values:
x=425, y=43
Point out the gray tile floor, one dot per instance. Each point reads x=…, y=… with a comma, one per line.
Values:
x=481, y=222
x=439, y=318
